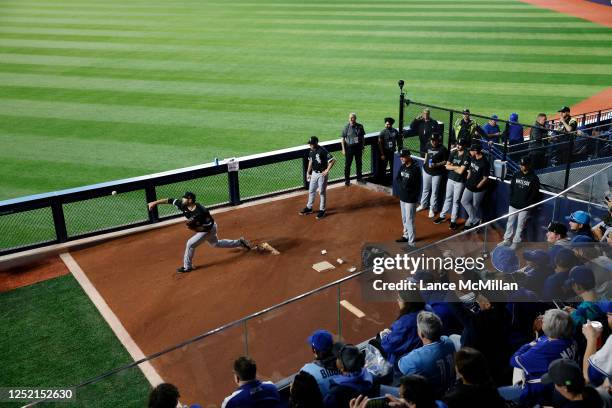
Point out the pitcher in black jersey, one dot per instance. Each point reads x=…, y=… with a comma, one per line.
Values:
x=201, y=221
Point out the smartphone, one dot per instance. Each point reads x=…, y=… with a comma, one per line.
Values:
x=380, y=402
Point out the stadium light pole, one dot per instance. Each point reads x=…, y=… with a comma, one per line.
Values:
x=400, y=83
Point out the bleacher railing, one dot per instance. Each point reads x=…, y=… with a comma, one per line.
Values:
x=276, y=336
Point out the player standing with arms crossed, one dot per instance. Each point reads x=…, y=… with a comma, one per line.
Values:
x=201, y=221
x=320, y=162
x=457, y=165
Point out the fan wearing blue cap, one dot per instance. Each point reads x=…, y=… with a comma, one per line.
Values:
x=580, y=224
x=323, y=367
x=515, y=130
x=582, y=281
x=554, y=285
x=537, y=269
x=524, y=191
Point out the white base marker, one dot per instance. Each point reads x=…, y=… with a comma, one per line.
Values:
x=351, y=308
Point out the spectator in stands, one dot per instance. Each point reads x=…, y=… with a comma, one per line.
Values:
x=323, y=368
x=554, y=285
x=492, y=130
x=164, y=395
x=424, y=126
x=486, y=328
x=467, y=129
x=588, y=253
x=556, y=235
x=354, y=379
x=582, y=281
x=579, y=224
x=524, y=191
x=434, y=360
x=409, y=181
x=251, y=392
x=603, y=230
x=533, y=358
x=353, y=143
x=304, y=392
x=475, y=184
x=414, y=392
x=538, y=142
x=388, y=142
x=568, y=381
x=564, y=128
x=457, y=165
x=433, y=170
x=475, y=388
x=402, y=337
x=597, y=365
x=537, y=269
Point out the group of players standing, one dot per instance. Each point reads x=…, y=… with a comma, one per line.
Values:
x=466, y=167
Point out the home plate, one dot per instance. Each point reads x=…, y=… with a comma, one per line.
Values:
x=353, y=309
x=322, y=266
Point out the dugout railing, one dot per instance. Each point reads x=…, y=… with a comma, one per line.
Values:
x=275, y=337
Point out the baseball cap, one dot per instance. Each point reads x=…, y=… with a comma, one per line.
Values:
x=189, y=195
x=566, y=257
x=525, y=161
x=564, y=109
x=513, y=117
x=476, y=147
x=494, y=117
x=563, y=372
x=504, y=259
x=352, y=359
x=463, y=142
x=466, y=111
x=321, y=340
x=579, y=217
x=390, y=120
x=536, y=256
x=557, y=228
x=581, y=275
x=313, y=140
x=405, y=153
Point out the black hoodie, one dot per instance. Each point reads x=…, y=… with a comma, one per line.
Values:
x=524, y=189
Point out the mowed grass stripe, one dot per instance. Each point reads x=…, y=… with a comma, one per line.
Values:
x=49, y=63
x=43, y=75
x=584, y=39
x=178, y=49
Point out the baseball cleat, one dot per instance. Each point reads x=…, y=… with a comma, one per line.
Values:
x=420, y=208
x=439, y=220
x=182, y=269
x=432, y=214
x=453, y=226
x=320, y=214
x=306, y=211
x=402, y=239
x=245, y=244
x=505, y=242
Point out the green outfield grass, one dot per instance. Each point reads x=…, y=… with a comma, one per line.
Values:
x=53, y=336
x=95, y=90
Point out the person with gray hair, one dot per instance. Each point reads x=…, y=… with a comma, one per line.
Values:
x=435, y=359
x=535, y=357
x=353, y=143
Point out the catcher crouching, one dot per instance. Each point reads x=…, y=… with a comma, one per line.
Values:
x=202, y=223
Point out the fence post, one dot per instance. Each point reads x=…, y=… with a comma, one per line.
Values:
x=568, y=157
x=151, y=196
x=374, y=158
x=234, y=187
x=305, y=172
x=400, y=144
x=58, y=220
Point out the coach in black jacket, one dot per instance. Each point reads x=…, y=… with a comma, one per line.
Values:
x=409, y=187
x=424, y=126
x=524, y=191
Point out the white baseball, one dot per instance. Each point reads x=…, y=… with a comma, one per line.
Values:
x=114, y=192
